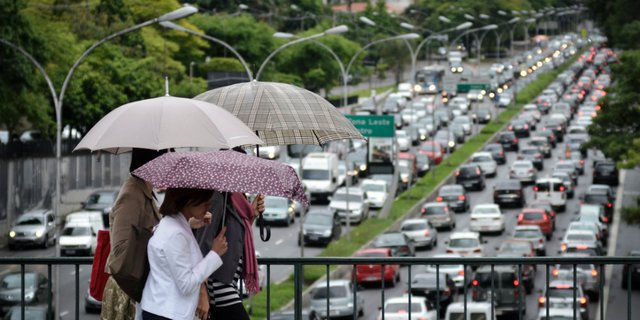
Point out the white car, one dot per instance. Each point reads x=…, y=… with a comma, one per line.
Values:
x=523, y=170
x=461, y=102
x=404, y=141
x=505, y=100
x=356, y=200
x=465, y=121
x=487, y=218
x=405, y=89
x=421, y=232
x=485, y=160
x=466, y=244
x=534, y=110
x=396, y=309
x=269, y=152
x=455, y=271
x=78, y=239
x=376, y=191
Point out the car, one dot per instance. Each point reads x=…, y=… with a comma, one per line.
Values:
x=523, y=170
x=542, y=144
x=422, y=163
x=443, y=115
x=320, y=227
x=532, y=234
x=458, y=132
x=568, y=167
x=474, y=310
x=556, y=127
x=534, y=155
x=587, y=275
x=428, y=285
x=392, y=104
x=404, y=142
x=405, y=89
x=433, y=150
x=578, y=160
x=376, y=192
x=509, y=192
x=537, y=217
x=508, y=140
x=605, y=172
x=290, y=315
x=569, y=186
x=520, y=128
x=439, y=214
x=350, y=203
x=482, y=115
x=581, y=239
x=484, y=159
x=635, y=273
x=35, y=289
x=551, y=138
x=516, y=248
x=278, y=210
x=551, y=190
x=505, y=100
x=103, y=201
x=36, y=227
x=497, y=152
x=369, y=105
x=470, y=176
x=455, y=271
x=561, y=295
x=372, y=273
x=529, y=119
x=487, y=218
x=533, y=109
x=455, y=195
x=398, y=242
x=506, y=288
x=421, y=232
x=594, y=213
x=476, y=95
x=465, y=121
x=446, y=139
x=461, y=102
x=396, y=309
x=602, y=198
x=347, y=173
x=466, y=244
x=78, y=239
x=340, y=296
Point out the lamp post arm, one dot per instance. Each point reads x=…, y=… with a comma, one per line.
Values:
x=355, y=56
x=52, y=89
x=282, y=47
x=222, y=43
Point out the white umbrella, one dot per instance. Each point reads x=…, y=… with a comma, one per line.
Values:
x=167, y=122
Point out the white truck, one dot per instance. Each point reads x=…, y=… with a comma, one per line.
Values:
x=320, y=174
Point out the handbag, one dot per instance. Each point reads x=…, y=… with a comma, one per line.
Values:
x=98, y=276
x=130, y=271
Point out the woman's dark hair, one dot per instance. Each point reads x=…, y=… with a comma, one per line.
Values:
x=140, y=157
x=176, y=199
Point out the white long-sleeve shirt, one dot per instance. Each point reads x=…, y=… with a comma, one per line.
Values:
x=177, y=270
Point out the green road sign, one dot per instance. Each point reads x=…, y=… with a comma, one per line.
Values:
x=374, y=126
x=465, y=87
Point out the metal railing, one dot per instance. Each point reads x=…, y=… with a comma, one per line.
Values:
x=299, y=263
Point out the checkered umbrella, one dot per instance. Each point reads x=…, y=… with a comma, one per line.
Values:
x=226, y=171
x=282, y=114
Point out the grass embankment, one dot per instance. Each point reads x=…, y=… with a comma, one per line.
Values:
x=283, y=293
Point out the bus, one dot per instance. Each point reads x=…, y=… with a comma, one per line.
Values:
x=430, y=79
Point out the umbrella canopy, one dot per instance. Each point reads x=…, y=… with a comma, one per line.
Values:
x=283, y=114
x=167, y=122
x=227, y=171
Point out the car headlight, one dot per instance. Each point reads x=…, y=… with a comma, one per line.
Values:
x=29, y=296
x=326, y=233
x=492, y=95
x=363, y=167
x=423, y=137
x=291, y=209
x=39, y=233
x=499, y=90
x=480, y=96
x=417, y=88
x=405, y=179
x=452, y=144
x=106, y=210
x=12, y=234
x=304, y=231
x=432, y=87
x=453, y=69
x=460, y=69
x=272, y=155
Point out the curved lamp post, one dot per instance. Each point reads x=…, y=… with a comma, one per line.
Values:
x=414, y=57
x=171, y=25
x=58, y=103
x=486, y=29
x=335, y=30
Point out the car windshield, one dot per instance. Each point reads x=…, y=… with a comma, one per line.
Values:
x=340, y=196
x=276, y=202
x=482, y=159
x=533, y=215
x=522, y=165
x=13, y=281
x=414, y=226
x=537, y=142
x=526, y=234
x=464, y=243
x=485, y=210
x=434, y=210
x=451, y=191
x=318, y=219
x=530, y=151
x=76, y=231
x=29, y=221
x=429, y=279
x=374, y=187
x=100, y=198
x=390, y=239
x=308, y=174
x=333, y=292
x=565, y=166
x=400, y=307
x=580, y=237
x=561, y=293
x=596, y=198
x=516, y=246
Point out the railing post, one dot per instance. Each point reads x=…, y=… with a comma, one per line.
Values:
x=268, y=291
x=297, y=278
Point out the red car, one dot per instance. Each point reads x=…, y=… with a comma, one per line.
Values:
x=433, y=150
x=538, y=217
x=370, y=273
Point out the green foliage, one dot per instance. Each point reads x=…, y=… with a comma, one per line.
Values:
x=223, y=65
x=631, y=214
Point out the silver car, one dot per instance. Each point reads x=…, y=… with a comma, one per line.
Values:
x=587, y=275
x=439, y=214
x=340, y=296
x=534, y=235
x=523, y=170
x=36, y=227
x=455, y=271
x=421, y=232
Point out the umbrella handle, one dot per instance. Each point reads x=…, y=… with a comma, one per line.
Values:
x=265, y=230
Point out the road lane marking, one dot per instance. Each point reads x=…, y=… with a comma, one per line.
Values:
x=64, y=313
x=279, y=242
x=612, y=243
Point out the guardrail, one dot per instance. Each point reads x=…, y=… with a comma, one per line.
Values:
x=299, y=264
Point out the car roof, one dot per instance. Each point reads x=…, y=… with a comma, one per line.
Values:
x=435, y=204
x=481, y=153
x=332, y=283
x=564, y=312
x=464, y=235
x=509, y=183
x=409, y=221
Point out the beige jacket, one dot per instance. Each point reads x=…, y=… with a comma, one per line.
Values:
x=135, y=206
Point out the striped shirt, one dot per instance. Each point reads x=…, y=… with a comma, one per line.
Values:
x=225, y=294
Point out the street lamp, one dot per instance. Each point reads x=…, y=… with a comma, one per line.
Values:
x=58, y=103
x=335, y=30
x=414, y=56
x=486, y=29
x=469, y=17
x=171, y=25
x=526, y=32
x=513, y=21
x=444, y=19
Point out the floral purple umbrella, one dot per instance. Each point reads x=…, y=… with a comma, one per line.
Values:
x=226, y=171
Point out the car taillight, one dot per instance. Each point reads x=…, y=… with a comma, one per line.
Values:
x=457, y=173
x=510, y=128
x=609, y=204
x=542, y=300
x=535, y=189
x=581, y=161
x=520, y=218
x=474, y=283
x=477, y=250
x=594, y=273
x=439, y=199
x=526, y=127
x=516, y=283
x=501, y=153
x=449, y=251
x=461, y=273
x=581, y=247
x=540, y=240
x=555, y=272
x=478, y=171
x=515, y=140
x=561, y=188
x=563, y=247
x=606, y=219
x=423, y=210
x=426, y=233
x=461, y=197
x=559, y=128
x=447, y=292
x=583, y=300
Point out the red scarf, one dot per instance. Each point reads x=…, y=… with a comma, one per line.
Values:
x=245, y=211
